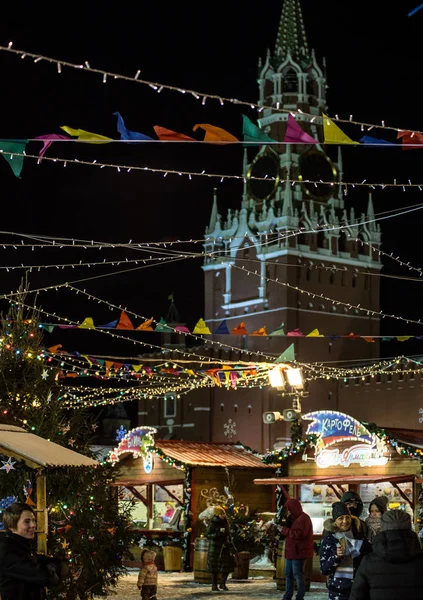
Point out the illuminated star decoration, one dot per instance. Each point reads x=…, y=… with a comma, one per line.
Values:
x=44, y=374
x=8, y=465
x=120, y=433
x=413, y=12
x=94, y=426
x=65, y=544
x=65, y=428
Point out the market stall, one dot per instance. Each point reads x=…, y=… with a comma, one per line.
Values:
x=41, y=455
x=186, y=477
x=336, y=454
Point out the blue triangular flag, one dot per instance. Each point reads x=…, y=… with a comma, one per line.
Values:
x=368, y=139
x=223, y=328
x=111, y=325
x=125, y=134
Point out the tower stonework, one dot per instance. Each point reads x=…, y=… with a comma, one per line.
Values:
x=294, y=245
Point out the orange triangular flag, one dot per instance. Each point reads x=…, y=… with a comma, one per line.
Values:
x=261, y=331
x=370, y=340
x=167, y=134
x=215, y=134
x=410, y=139
x=124, y=322
x=239, y=330
x=109, y=365
x=54, y=349
x=146, y=326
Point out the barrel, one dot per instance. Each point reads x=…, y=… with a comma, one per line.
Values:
x=172, y=558
x=242, y=564
x=201, y=550
x=280, y=569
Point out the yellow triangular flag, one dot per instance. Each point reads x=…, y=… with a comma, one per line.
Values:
x=87, y=323
x=86, y=136
x=314, y=333
x=136, y=368
x=201, y=327
x=261, y=331
x=333, y=134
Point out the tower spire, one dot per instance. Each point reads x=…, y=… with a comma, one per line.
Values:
x=213, y=216
x=291, y=36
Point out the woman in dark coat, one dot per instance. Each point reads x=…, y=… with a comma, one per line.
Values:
x=220, y=559
x=24, y=574
x=393, y=571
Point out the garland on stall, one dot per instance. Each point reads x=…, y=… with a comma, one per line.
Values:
x=186, y=540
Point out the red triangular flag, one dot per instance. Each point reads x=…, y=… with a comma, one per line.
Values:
x=167, y=134
x=410, y=140
x=124, y=322
x=295, y=135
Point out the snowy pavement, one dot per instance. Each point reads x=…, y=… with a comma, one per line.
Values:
x=180, y=586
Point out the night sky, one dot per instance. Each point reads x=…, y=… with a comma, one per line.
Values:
x=374, y=70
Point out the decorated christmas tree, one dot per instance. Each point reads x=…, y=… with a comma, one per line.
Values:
x=87, y=527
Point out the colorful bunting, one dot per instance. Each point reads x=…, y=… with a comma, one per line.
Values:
x=413, y=12
x=333, y=134
x=167, y=135
x=86, y=136
x=410, y=140
x=201, y=327
x=261, y=331
x=295, y=135
x=162, y=326
x=125, y=134
x=47, y=140
x=146, y=326
x=124, y=321
x=215, y=134
x=87, y=323
x=10, y=150
x=110, y=325
x=314, y=333
x=287, y=355
x=295, y=333
x=279, y=330
x=252, y=133
x=368, y=139
x=222, y=328
x=239, y=330
x=182, y=329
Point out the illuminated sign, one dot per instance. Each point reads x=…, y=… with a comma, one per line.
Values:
x=332, y=427
x=135, y=442
x=362, y=454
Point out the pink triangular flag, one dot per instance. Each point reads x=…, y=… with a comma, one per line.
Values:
x=47, y=140
x=295, y=135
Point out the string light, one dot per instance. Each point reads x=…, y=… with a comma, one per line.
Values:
x=158, y=87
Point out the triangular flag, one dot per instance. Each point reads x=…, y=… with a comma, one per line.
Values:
x=222, y=328
x=48, y=328
x=368, y=139
x=370, y=340
x=110, y=325
x=413, y=12
x=87, y=358
x=333, y=134
x=136, y=368
x=252, y=133
x=47, y=140
x=410, y=140
x=314, y=333
x=182, y=329
x=86, y=136
x=125, y=134
x=287, y=355
x=295, y=333
x=124, y=322
x=239, y=330
x=162, y=326
x=167, y=135
x=404, y=338
x=279, y=330
x=10, y=151
x=261, y=331
x=87, y=323
x=201, y=327
x=146, y=326
x=109, y=365
x=215, y=134
x=295, y=135
x=54, y=349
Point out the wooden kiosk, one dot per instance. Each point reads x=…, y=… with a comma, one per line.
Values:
x=189, y=474
x=39, y=454
x=339, y=454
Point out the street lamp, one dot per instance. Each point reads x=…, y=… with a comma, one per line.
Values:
x=281, y=376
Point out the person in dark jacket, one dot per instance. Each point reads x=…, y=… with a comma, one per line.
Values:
x=393, y=571
x=298, y=547
x=355, y=505
x=219, y=559
x=24, y=574
x=377, y=507
x=340, y=552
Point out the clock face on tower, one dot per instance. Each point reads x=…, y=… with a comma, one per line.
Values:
x=264, y=166
x=315, y=166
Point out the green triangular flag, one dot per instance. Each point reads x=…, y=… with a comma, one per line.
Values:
x=279, y=330
x=49, y=328
x=287, y=355
x=162, y=326
x=252, y=133
x=10, y=149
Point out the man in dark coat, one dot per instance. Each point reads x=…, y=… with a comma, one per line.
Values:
x=298, y=547
x=23, y=574
x=219, y=559
x=394, y=569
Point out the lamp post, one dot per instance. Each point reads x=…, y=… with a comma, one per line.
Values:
x=289, y=381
